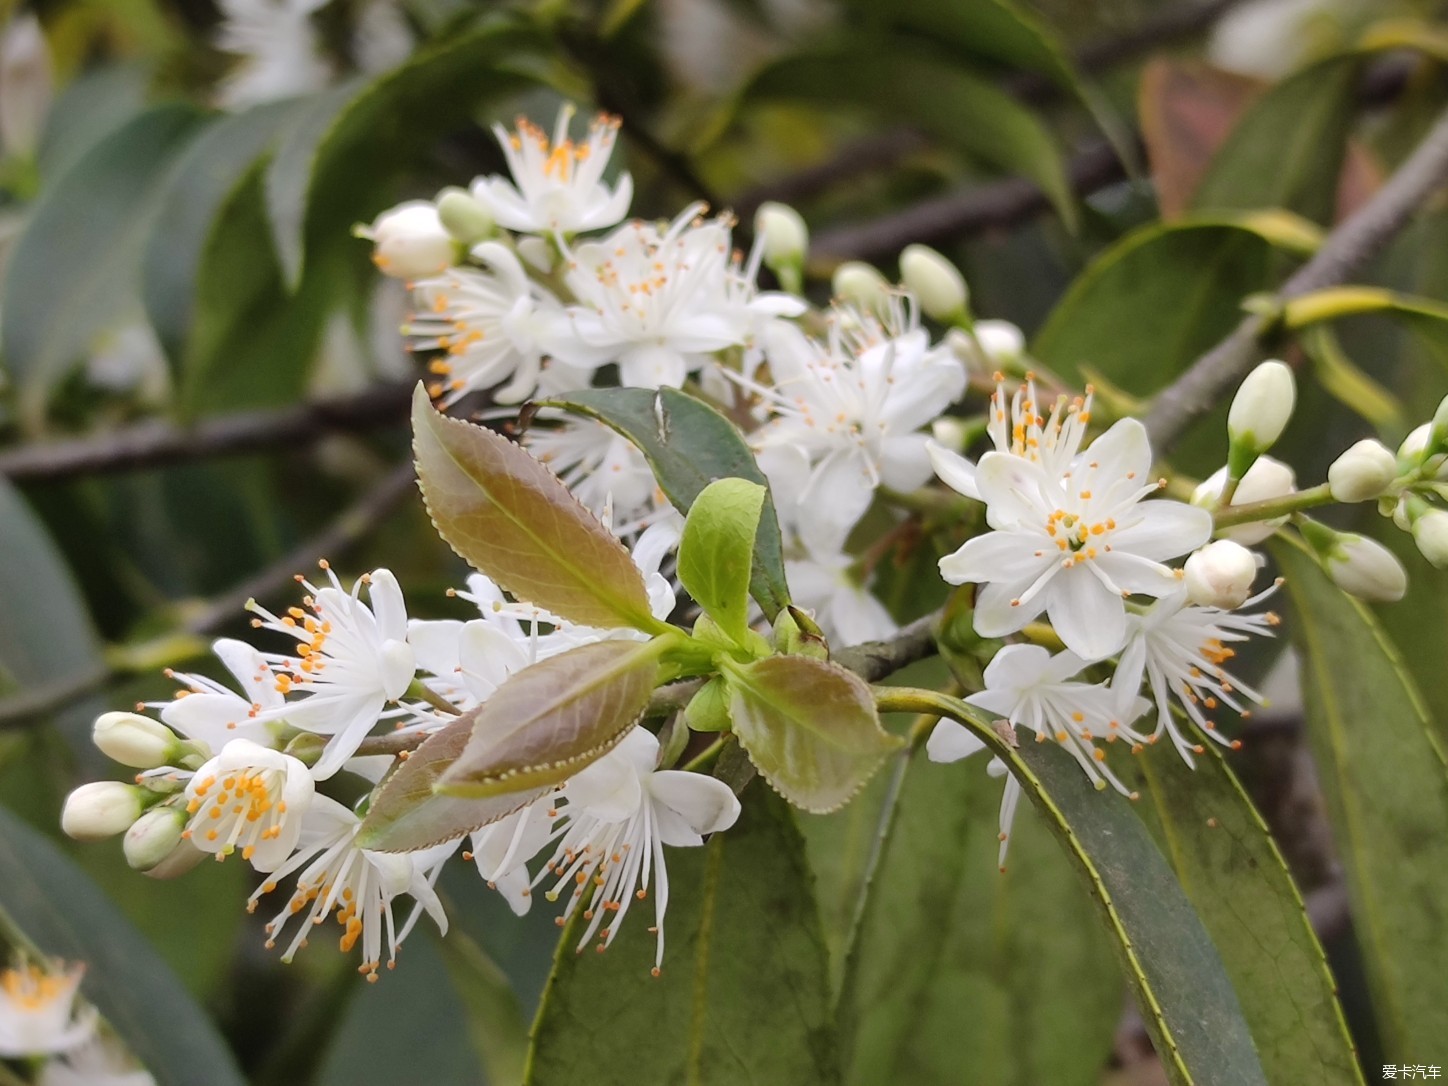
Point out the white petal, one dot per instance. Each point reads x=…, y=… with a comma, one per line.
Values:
x=998, y=556
x=1089, y=618
x=995, y=614
x=950, y=742
x=689, y=805
x=385, y=595
x=1123, y=450
x=1011, y=488
x=1165, y=529
x=955, y=471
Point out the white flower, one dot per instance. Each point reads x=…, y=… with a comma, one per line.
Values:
x=493, y=324
x=252, y=798
x=557, y=187
x=847, y=612
x=351, y=661
x=851, y=408
x=1182, y=651
x=1074, y=545
x=207, y=712
x=280, y=48
x=616, y=816
x=502, y=849
x=39, y=1012
x=27, y=84
x=358, y=885
x=410, y=241
x=1220, y=574
x=101, y=1062
x=603, y=469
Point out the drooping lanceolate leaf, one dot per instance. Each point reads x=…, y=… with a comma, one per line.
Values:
x=689, y=445
x=407, y=814
x=1383, y=774
x=1236, y=879
x=510, y=517
x=809, y=726
x=548, y=721
x=717, y=549
x=742, y=996
x=68, y=916
x=495, y=1022
x=964, y=974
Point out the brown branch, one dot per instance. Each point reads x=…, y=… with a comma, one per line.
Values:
x=158, y=442
x=1345, y=252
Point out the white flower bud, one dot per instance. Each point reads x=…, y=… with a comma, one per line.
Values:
x=784, y=233
x=100, y=809
x=1430, y=532
x=935, y=282
x=1266, y=479
x=27, y=85
x=410, y=241
x=1413, y=449
x=464, y=217
x=950, y=431
x=1220, y=575
x=1002, y=342
x=153, y=837
x=537, y=253
x=1364, y=471
x=135, y=740
x=1259, y=413
x=861, y=285
x=1364, y=568
x=1438, y=428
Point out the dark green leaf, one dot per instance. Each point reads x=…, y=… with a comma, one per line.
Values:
x=742, y=997
x=810, y=728
x=1382, y=772
x=75, y=267
x=717, y=549
x=510, y=517
x=964, y=974
x=689, y=445
x=495, y=1022
x=68, y=916
x=548, y=721
x=93, y=105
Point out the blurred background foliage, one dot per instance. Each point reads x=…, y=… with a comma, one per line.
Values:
x=202, y=391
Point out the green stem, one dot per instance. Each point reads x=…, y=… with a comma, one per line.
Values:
x=700, y=761
x=1228, y=515
x=930, y=706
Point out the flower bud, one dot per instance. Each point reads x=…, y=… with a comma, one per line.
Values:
x=786, y=239
x=936, y=283
x=410, y=241
x=1438, y=428
x=1359, y=566
x=153, y=837
x=27, y=84
x=1259, y=414
x=465, y=217
x=1265, y=479
x=135, y=740
x=861, y=285
x=1220, y=575
x=537, y=253
x=100, y=809
x=1364, y=471
x=1002, y=342
x=1414, y=452
x=1430, y=532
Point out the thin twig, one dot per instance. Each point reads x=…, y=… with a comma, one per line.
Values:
x=158, y=442
x=1345, y=252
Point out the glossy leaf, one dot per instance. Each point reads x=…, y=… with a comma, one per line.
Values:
x=73, y=271
x=689, y=445
x=1383, y=774
x=742, y=997
x=809, y=726
x=548, y=721
x=407, y=814
x=965, y=974
x=510, y=517
x=1236, y=879
x=717, y=550
x=68, y=916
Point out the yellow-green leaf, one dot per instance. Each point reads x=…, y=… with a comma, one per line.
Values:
x=717, y=549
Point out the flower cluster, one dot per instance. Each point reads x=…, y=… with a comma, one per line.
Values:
x=44, y=1020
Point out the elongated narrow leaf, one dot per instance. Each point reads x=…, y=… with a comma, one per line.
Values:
x=495, y=1022
x=689, y=445
x=510, y=517
x=548, y=721
x=1238, y=882
x=742, y=997
x=1386, y=785
x=809, y=726
x=964, y=974
x=67, y=915
x=407, y=814
x=717, y=550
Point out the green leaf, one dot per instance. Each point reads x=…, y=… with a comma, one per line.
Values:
x=1382, y=772
x=809, y=726
x=717, y=551
x=963, y=110
x=342, y=160
x=1236, y=879
x=689, y=445
x=1149, y=305
x=68, y=916
x=742, y=997
x=73, y=271
x=1288, y=150
x=551, y=719
x=495, y=1021
x=408, y=814
x=510, y=517
x=964, y=974
x=94, y=104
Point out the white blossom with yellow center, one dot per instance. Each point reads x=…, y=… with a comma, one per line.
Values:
x=39, y=1011
x=250, y=798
